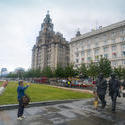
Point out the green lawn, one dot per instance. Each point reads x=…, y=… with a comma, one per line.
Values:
x=40, y=92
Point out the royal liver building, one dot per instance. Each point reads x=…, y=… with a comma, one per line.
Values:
x=51, y=48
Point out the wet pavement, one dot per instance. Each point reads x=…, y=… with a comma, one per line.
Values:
x=75, y=113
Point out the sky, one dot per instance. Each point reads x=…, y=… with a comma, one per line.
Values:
x=20, y=22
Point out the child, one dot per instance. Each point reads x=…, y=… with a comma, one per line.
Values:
x=95, y=100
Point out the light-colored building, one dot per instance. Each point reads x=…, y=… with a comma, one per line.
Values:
x=51, y=48
x=106, y=41
x=4, y=72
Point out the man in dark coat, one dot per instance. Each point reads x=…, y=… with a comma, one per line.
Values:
x=114, y=86
x=101, y=85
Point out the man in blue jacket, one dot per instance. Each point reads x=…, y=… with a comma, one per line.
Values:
x=20, y=91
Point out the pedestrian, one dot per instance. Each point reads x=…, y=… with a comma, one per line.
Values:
x=114, y=86
x=2, y=88
x=95, y=99
x=21, y=93
x=101, y=85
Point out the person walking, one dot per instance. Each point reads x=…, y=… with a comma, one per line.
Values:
x=101, y=85
x=2, y=88
x=114, y=86
x=21, y=93
x=95, y=99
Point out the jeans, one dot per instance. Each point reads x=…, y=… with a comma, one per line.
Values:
x=20, y=108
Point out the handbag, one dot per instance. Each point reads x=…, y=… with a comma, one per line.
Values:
x=26, y=99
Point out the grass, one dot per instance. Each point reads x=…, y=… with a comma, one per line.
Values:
x=40, y=92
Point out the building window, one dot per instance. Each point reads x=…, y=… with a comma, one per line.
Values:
x=77, y=54
x=123, y=47
x=82, y=59
x=76, y=49
x=122, y=31
x=123, y=62
x=88, y=44
x=82, y=48
x=82, y=53
x=96, y=44
x=113, y=40
x=77, y=60
x=96, y=51
x=113, y=34
x=88, y=52
x=114, y=63
x=113, y=48
x=114, y=55
x=89, y=58
x=105, y=49
x=123, y=53
x=106, y=55
x=122, y=39
x=105, y=42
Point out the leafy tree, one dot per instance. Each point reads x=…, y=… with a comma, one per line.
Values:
x=69, y=71
x=105, y=67
x=93, y=70
x=37, y=73
x=123, y=73
x=59, y=71
x=12, y=75
x=47, y=71
x=31, y=73
x=119, y=71
x=83, y=70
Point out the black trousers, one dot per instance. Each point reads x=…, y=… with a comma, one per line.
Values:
x=102, y=98
x=114, y=97
x=20, y=108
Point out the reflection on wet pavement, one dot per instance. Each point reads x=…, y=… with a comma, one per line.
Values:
x=76, y=113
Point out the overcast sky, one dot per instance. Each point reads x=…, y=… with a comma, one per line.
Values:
x=20, y=22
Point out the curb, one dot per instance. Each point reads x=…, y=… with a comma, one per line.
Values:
x=34, y=104
x=73, y=89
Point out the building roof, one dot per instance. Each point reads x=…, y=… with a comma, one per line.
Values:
x=98, y=31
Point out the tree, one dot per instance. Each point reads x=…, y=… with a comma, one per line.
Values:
x=123, y=73
x=69, y=71
x=59, y=71
x=31, y=73
x=47, y=71
x=12, y=75
x=105, y=67
x=37, y=73
x=119, y=71
x=83, y=70
x=93, y=70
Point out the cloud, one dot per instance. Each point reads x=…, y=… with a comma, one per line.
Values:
x=21, y=21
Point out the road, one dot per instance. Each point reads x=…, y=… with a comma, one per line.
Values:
x=76, y=113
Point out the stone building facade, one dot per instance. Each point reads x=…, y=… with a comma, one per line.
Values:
x=51, y=48
x=106, y=42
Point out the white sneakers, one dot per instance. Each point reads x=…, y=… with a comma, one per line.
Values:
x=23, y=116
x=20, y=118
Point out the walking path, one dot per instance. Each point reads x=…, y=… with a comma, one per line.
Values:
x=76, y=113
x=73, y=89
